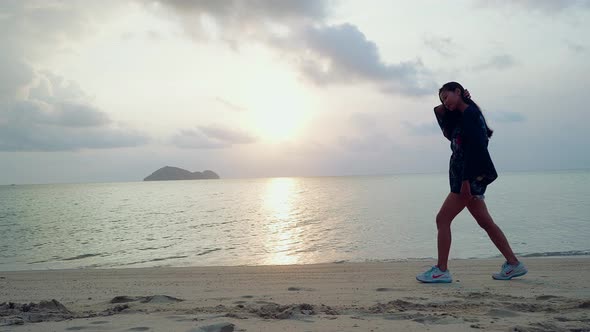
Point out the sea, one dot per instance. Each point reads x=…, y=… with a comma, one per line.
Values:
x=277, y=221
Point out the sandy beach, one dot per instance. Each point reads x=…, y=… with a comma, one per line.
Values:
x=384, y=296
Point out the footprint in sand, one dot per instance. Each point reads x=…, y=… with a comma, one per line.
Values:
x=100, y=322
x=501, y=313
x=384, y=289
x=180, y=318
x=296, y=289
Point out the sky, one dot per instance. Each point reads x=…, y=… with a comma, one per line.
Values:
x=113, y=90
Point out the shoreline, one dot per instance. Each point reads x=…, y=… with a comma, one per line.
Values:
x=582, y=254
x=316, y=297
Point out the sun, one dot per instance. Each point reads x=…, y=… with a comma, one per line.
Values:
x=280, y=117
x=278, y=103
x=280, y=111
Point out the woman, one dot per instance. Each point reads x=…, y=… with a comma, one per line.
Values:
x=470, y=171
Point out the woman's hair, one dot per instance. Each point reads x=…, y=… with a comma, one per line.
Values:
x=451, y=118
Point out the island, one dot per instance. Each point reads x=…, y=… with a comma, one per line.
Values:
x=169, y=173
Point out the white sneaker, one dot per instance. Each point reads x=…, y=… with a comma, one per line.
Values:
x=510, y=271
x=435, y=275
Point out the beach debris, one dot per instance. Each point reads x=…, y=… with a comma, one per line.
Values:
x=109, y=312
x=19, y=313
x=328, y=310
x=396, y=305
x=306, y=309
x=278, y=311
x=275, y=311
x=119, y=308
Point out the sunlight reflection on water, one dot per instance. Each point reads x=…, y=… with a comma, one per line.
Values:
x=282, y=237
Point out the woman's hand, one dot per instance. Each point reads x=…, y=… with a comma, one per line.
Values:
x=466, y=94
x=466, y=190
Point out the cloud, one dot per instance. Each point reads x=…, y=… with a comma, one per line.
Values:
x=15, y=75
x=575, y=47
x=323, y=53
x=29, y=29
x=195, y=139
x=505, y=116
x=422, y=129
x=236, y=12
x=33, y=125
x=230, y=105
x=364, y=121
x=367, y=143
x=38, y=137
x=499, y=62
x=60, y=114
x=544, y=6
x=210, y=137
x=342, y=53
x=39, y=110
x=442, y=45
x=227, y=135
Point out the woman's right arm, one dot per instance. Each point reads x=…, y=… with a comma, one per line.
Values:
x=439, y=112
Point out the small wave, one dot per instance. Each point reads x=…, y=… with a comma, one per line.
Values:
x=153, y=260
x=558, y=253
x=165, y=258
x=52, y=259
x=40, y=262
x=7, y=214
x=208, y=251
x=80, y=257
x=155, y=248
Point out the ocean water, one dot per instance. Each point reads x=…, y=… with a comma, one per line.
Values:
x=281, y=221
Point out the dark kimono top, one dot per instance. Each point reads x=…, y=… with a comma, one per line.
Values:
x=470, y=159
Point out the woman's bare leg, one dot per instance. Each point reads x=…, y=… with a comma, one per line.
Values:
x=479, y=211
x=451, y=207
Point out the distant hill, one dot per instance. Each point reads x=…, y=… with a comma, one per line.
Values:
x=169, y=173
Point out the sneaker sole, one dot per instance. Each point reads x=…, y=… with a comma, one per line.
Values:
x=435, y=281
x=512, y=276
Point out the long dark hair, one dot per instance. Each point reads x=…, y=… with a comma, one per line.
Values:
x=452, y=118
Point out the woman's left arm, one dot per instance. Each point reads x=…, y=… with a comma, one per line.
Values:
x=475, y=141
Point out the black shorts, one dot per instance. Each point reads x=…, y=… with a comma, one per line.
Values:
x=478, y=188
